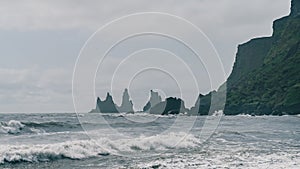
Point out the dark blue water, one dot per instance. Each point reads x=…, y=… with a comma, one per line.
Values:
x=66, y=140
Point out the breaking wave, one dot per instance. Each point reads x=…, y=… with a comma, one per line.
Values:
x=16, y=127
x=11, y=127
x=51, y=124
x=82, y=149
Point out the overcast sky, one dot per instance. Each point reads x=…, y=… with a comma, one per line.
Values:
x=41, y=40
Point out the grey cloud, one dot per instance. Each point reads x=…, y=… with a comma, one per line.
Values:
x=71, y=14
x=27, y=89
x=48, y=88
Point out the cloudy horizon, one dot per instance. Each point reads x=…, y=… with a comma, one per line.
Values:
x=40, y=42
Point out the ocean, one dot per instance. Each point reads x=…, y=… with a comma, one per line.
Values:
x=70, y=140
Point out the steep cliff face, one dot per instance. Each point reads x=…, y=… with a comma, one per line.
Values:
x=266, y=74
x=250, y=56
x=295, y=8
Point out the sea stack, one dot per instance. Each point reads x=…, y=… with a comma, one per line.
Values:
x=126, y=105
x=171, y=105
x=154, y=99
x=107, y=105
x=202, y=105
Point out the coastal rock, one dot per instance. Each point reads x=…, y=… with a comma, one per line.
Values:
x=107, y=105
x=170, y=106
x=202, y=105
x=126, y=105
x=210, y=103
x=154, y=100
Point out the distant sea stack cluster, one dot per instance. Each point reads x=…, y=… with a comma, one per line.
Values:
x=155, y=105
x=108, y=105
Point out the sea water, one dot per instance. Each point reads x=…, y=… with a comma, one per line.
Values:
x=70, y=140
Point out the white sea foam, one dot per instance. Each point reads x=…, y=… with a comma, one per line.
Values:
x=157, y=142
x=92, y=148
x=15, y=127
x=134, y=115
x=11, y=127
x=226, y=159
x=47, y=152
x=244, y=115
x=218, y=113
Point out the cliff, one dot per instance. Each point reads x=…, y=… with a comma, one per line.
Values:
x=266, y=75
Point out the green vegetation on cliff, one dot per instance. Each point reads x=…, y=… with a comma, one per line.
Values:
x=266, y=74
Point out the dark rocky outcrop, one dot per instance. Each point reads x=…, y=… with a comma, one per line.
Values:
x=210, y=103
x=202, y=105
x=170, y=106
x=105, y=106
x=108, y=105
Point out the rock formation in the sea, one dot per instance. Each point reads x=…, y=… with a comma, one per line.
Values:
x=126, y=105
x=107, y=105
x=210, y=103
x=154, y=99
x=202, y=105
x=170, y=106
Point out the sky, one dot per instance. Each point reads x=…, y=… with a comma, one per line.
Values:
x=44, y=43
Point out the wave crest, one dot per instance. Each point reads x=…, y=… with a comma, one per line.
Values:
x=82, y=149
x=11, y=127
x=16, y=127
x=48, y=152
